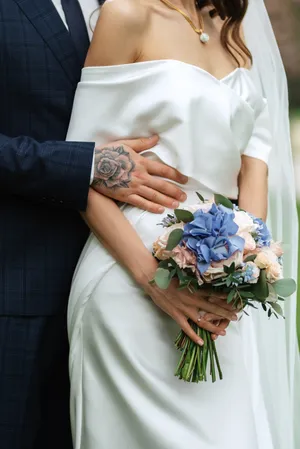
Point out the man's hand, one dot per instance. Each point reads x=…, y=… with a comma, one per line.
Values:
x=121, y=173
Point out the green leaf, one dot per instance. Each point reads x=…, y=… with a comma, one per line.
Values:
x=261, y=289
x=277, y=308
x=162, y=278
x=220, y=199
x=231, y=296
x=164, y=263
x=250, y=258
x=184, y=215
x=285, y=287
x=200, y=197
x=247, y=295
x=174, y=239
x=232, y=268
x=226, y=269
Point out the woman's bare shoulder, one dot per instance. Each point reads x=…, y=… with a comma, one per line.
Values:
x=119, y=32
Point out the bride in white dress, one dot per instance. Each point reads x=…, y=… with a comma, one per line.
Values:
x=149, y=73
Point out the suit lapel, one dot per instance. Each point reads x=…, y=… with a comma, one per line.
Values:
x=46, y=20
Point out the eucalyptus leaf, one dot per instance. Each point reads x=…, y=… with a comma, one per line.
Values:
x=247, y=295
x=277, y=308
x=261, y=289
x=200, y=197
x=174, y=239
x=164, y=263
x=231, y=296
x=184, y=215
x=250, y=258
x=220, y=199
x=285, y=287
x=162, y=278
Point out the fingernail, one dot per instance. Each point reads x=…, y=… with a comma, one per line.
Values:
x=175, y=204
x=183, y=197
x=161, y=210
x=234, y=318
x=223, y=333
x=200, y=342
x=184, y=179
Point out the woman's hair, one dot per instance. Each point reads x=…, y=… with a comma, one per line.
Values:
x=233, y=13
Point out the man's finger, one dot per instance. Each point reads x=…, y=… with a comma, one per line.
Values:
x=157, y=197
x=169, y=189
x=164, y=171
x=141, y=144
x=142, y=203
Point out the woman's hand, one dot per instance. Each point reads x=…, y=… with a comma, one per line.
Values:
x=182, y=305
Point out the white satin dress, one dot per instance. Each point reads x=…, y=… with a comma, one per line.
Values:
x=122, y=357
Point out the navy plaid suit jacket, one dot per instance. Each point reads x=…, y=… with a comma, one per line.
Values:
x=43, y=180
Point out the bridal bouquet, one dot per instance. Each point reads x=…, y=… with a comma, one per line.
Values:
x=217, y=245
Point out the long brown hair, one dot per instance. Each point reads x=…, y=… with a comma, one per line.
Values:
x=233, y=13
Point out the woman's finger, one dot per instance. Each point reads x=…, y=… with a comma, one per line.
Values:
x=221, y=302
x=223, y=324
x=211, y=307
x=185, y=326
x=198, y=319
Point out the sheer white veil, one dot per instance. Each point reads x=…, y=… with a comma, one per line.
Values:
x=269, y=76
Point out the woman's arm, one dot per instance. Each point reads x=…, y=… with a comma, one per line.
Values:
x=117, y=235
x=253, y=187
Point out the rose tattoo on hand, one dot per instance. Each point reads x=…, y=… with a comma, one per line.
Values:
x=113, y=167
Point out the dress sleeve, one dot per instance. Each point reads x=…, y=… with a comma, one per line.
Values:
x=260, y=143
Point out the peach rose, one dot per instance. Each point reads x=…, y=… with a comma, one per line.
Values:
x=184, y=258
x=216, y=270
x=159, y=246
x=265, y=258
x=250, y=244
x=276, y=248
x=274, y=272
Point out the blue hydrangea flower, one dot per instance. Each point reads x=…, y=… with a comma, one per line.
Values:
x=262, y=235
x=211, y=236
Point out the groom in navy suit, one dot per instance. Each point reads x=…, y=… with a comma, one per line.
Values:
x=44, y=181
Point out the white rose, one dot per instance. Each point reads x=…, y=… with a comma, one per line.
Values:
x=205, y=207
x=244, y=222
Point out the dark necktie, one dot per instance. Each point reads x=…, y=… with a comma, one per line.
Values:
x=77, y=27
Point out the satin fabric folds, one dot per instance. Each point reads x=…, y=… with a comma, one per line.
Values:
x=122, y=357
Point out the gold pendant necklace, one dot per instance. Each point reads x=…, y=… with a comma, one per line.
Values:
x=204, y=37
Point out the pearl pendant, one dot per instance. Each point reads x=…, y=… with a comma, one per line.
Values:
x=204, y=38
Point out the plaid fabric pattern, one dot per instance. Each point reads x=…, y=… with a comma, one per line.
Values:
x=40, y=237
